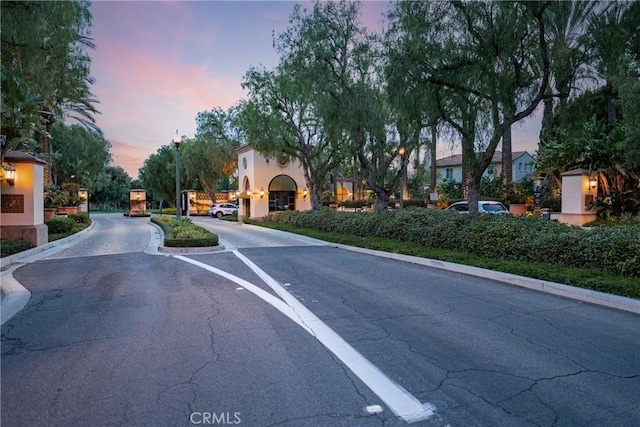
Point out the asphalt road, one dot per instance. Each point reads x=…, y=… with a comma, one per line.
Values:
x=282, y=330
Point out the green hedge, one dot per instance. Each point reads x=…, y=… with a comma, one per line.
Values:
x=184, y=234
x=10, y=247
x=81, y=218
x=60, y=225
x=611, y=249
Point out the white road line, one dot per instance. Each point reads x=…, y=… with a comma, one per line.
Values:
x=277, y=303
x=399, y=400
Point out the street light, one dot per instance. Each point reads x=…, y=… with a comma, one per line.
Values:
x=403, y=171
x=176, y=141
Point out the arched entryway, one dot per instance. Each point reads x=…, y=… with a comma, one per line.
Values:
x=246, y=199
x=282, y=193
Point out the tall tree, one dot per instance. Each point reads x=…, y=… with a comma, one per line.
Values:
x=110, y=189
x=331, y=48
x=484, y=57
x=78, y=152
x=282, y=119
x=608, y=39
x=414, y=101
x=210, y=157
x=45, y=70
x=567, y=30
x=158, y=174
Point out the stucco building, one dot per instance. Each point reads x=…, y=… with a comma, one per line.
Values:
x=269, y=185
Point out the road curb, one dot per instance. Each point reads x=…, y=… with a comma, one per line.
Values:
x=16, y=258
x=580, y=294
x=190, y=250
x=14, y=296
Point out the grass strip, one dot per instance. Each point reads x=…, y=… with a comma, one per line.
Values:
x=587, y=278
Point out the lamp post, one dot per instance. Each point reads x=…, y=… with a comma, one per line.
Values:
x=403, y=172
x=176, y=141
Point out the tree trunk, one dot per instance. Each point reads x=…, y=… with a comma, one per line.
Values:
x=383, y=202
x=474, y=193
x=507, y=157
x=611, y=105
x=434, y=173
x=563, y=89
x=547, y=115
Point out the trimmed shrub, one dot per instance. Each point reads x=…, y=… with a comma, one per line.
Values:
x=354, y=204
x=60, y=225
x=81, y=218
x=612, y=249
x=10, y=247
x=184, y=233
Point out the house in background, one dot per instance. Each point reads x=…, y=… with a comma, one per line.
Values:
x=451, y=167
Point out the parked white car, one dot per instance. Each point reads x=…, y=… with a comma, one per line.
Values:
x=484, y=206
x=221, y=209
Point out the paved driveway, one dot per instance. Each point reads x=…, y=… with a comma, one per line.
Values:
x=283, y=330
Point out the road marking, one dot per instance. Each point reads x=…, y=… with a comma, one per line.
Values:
x=374, y=409
x=399, y=400
x=266, y=296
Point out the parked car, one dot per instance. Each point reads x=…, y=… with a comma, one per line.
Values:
x=484, y=206
x=221, y=209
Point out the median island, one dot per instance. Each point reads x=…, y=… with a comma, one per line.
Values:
x=184, y=234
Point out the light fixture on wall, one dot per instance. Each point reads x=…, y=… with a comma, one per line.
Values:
x=593, y=182
x=9, y=174
x=305, y=192
x=261, y=192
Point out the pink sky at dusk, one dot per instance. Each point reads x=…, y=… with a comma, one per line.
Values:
x=157, y=64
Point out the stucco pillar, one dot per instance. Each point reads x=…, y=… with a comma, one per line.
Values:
x=22, y=203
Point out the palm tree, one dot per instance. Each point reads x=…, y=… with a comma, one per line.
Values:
x=567, y=24
x=608, y=36
x=45, y=71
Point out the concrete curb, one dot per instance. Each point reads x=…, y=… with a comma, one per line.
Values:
x=156, y=248
x=192, y=251
x=16, y=258
x=580, y=294
x=14, y=296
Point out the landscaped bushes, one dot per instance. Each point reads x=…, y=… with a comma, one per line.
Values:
x=613, y=249
x=81, y=218
x=60, y=225
x=184, y=233
x=10, y=247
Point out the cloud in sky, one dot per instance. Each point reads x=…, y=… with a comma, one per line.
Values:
x=158, y=63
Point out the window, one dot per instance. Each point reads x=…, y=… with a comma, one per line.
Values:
x=282, y=194
x=449, y=173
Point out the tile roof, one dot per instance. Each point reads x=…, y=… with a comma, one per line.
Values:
x=456, y=159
